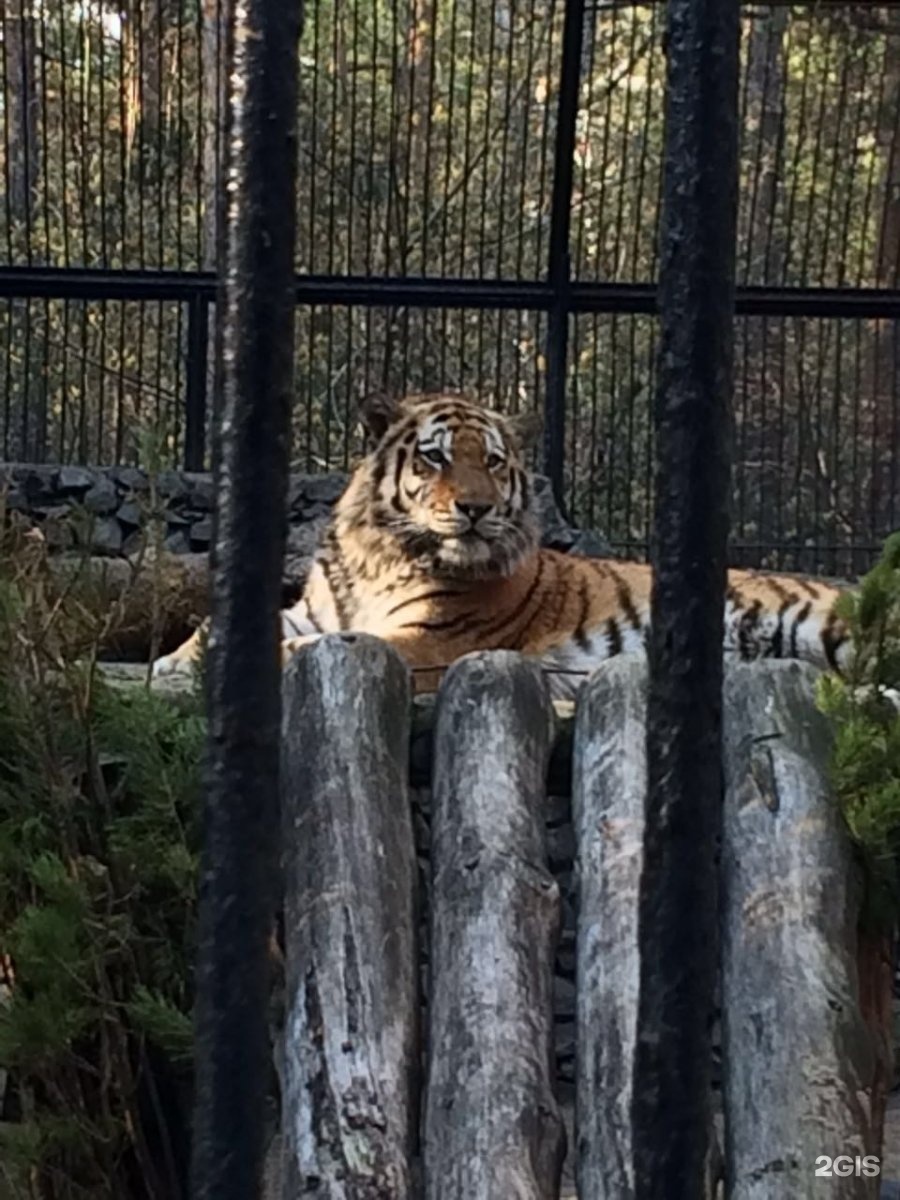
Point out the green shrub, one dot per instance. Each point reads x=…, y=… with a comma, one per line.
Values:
x=866, y=758
x=99, y=835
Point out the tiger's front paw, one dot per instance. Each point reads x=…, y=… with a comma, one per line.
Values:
x=171, y=664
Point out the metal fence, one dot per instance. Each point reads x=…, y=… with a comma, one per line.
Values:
x=478, y=207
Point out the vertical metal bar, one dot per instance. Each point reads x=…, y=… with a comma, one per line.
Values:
x=558, y=261
x=236, y=891
x=197, y=374
x=677, y=916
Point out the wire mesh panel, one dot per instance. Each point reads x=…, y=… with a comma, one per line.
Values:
x=816, y=442
x=820, y=145
x=426, y=134
x=109, y=142
x=425, y=128
x=99, y=382
x=820, y=156
x=343, y=354
x=817, y=428
x=427, y=138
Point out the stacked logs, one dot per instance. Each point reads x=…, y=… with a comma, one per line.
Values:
x=378, y=1102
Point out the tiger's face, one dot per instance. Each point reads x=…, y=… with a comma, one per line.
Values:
x=449, y=484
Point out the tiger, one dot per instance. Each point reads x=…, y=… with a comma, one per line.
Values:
x=435, y=547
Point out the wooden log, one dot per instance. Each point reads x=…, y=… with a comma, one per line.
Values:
x=492, y=1125
x=609, y=786
x=798, y=1057
x=421, y=745
x=165, y=597
x=350, y=1058
x=421, y=748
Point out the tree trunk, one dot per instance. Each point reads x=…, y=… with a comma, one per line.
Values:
x=492, y=1125
x=22, y=108
x=213, y=61
x=351, y=1052
x=798, y=1056
x=881, y=385
x=887, y=260
x=764, y=104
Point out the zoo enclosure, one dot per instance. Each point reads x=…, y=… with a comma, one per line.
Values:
x=478, y=207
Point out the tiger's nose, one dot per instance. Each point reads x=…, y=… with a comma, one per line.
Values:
x=474, y=511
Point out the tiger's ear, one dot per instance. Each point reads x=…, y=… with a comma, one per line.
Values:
x=378, y=413
x=526, y=428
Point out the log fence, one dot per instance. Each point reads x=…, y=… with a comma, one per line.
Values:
x=417, y=1045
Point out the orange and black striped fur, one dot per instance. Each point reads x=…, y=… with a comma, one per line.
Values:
x=435, y=548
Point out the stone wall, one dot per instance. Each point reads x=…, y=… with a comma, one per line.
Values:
x=103, y=510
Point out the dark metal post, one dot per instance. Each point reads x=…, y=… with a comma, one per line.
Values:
x=241, y=816
x=195, y=414
x=678, y=924
x=558, y=269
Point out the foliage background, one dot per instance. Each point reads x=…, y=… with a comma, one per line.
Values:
x=99, y=833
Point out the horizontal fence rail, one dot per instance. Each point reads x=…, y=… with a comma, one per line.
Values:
x=817, y=389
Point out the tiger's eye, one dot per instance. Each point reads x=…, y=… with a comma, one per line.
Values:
x=433, y=457
x=495, y=462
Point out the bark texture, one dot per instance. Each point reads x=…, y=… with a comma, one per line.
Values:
x=609, y=788
x=799, y=1059
x=492, y=1125
x=350, y=1060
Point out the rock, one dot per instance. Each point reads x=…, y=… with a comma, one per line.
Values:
x=177, y=543
x=312, y=512
x=130, y=514
x=557, y=809
x=51, y=512
x=555, y=530
x=134, y=543
x=565, y=955
x=16, y=500
x=422, y=831
x=591, y=544
x=102, y=498
x=106, y=536
x=563, y=998
x=57, y=529
x=171, y=484
x=566, y=1069
x=132, y=478
x=561, y=846
x=201, y=534
x=75, y=479
x=564, y=1037
x=38, y=484
x=324, y=489
x=200, y=492
x=302, y=540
